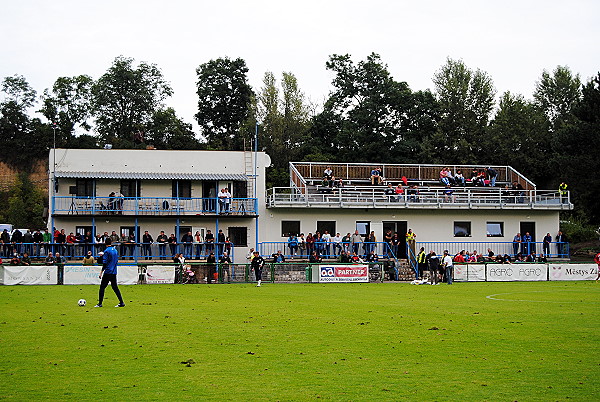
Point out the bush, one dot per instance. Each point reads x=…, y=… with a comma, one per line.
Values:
x=578, y=230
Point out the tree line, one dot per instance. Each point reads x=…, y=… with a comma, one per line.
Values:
x=368, y=116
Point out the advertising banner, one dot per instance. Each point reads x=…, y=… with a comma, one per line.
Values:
x=573, y=272
x=469, y=272
x=343, y=273
x=27, y=275
x=160, y=274
x=88, y=275
x=516, y=272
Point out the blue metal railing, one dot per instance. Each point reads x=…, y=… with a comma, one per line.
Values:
x=327, y=250
x=77, y=205
x=550, y=250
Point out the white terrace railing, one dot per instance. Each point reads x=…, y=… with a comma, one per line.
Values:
x=425, y=197
x=302, y=173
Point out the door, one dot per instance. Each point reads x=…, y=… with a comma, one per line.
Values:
x=400, y=227
x=528, y=227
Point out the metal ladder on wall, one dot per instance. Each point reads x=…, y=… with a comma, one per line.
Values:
x=249, y=171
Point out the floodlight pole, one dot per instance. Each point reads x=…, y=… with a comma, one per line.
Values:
x=255, y=184
x=53, y=178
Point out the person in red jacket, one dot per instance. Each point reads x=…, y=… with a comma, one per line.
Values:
x=597, y=261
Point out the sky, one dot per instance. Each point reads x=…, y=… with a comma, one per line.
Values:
x=513, y=41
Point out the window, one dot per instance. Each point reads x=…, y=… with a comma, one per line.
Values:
x=85, y=187
x=238, y=236
x=130, y=188
x=323, y=226
x=127, y=230
x=290, y=227
x=495, y=229
x=364, y=227
x=240, y=189
x=462, y=229
x=181, y=188
x=83, y=229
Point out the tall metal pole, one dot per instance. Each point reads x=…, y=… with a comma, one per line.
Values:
x=255, y=184
x=53, y=179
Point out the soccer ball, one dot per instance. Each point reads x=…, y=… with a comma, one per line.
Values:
x=81, y=302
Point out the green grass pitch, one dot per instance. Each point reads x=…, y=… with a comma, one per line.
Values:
x=390, y=341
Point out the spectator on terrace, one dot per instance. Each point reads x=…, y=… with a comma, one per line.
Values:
x=355, y=259
x=542, y=258
x=59, y=259
x=473, y=257
x=387, y=238
x=209, y=238
x=328, y=173
x=172, y=240
x=527, y=245
x=518, y=191
x=370, y=242
x=187, y=239
x=38, y=239
x=326, y=239
x=346, y=242
x=310, y=244
x=490, y=255
x=27, y=241
x=225, y=262
x=491, y=175
x=411, y=241
x=459, y=179
x=15, y=260
x=339, y=183
x=344, y=257
x=460, y=257
x=531, y=257
x=301, y=244
x=147, y=241
x=413, y=193
x=445, y=176
x=399, y=191
x=293, y=244
x=372, y=256
x=211, y=262
x=561, y=247
x=376, y=177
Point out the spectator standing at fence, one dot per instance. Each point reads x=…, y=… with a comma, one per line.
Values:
x=198, y=240
x=390, y=193
x=225, y=263
x=356, y=240
x=561, y=239
x=562, y=189
x=526, y=248
x=47, y=236
x=517, y=240
x=293, y=245
x=301, y=244
x=147, y=241
x=187, y=239
x=257, y=265
x=346, y=242
x=38, y=239
x=337, y=244
x=172, y=240
x=220, y=242
x=162, y=241
x=108, y=274
x=546, y=244
x=492, y=175
x=211, y=262
x=448, y=265
x=210, y=241
x=326, y=239
x=310, y=244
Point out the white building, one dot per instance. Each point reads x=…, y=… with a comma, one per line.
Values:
x=176, y=191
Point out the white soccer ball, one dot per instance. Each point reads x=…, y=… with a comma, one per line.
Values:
x=81, y=302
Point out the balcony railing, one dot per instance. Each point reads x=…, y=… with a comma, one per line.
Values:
x=153, y=206
x=425, y=197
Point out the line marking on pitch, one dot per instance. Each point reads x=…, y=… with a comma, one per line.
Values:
x=493, y=297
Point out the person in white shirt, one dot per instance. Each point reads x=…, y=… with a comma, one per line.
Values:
x=326, y=239
x=337, y=244
x=448, y=265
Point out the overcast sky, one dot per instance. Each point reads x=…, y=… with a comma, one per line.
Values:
x=513, y=41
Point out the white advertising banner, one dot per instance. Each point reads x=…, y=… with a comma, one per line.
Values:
x=469, y=272
x=88, y=275
x=573, y=272
x=28, y=275
x=160, y=274
x=343, y=273
x=516, y=272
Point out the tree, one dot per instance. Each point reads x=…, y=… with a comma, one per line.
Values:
x=125, y=99
x=224, y=100
x=68, y=105
x=367, y=115
x=167, y=131
x=25, y=204
x=518, y=136
x=24, y=138
x=557, y=95
x=466, y=100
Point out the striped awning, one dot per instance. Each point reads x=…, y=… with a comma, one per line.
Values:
x=153, y=176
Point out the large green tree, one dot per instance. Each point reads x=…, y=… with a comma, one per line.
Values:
x=125, y=99
x=558, y=94
x=224, y=101
x=25, y=204
x=466, y=100
x=68, y=105
x=24, y=139
x=367, y=116
x=167, y=131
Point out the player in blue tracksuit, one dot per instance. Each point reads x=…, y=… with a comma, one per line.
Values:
x=109, y=273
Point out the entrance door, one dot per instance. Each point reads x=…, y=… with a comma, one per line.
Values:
x=209, y=194
x=400, y=227
x=528, y=227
